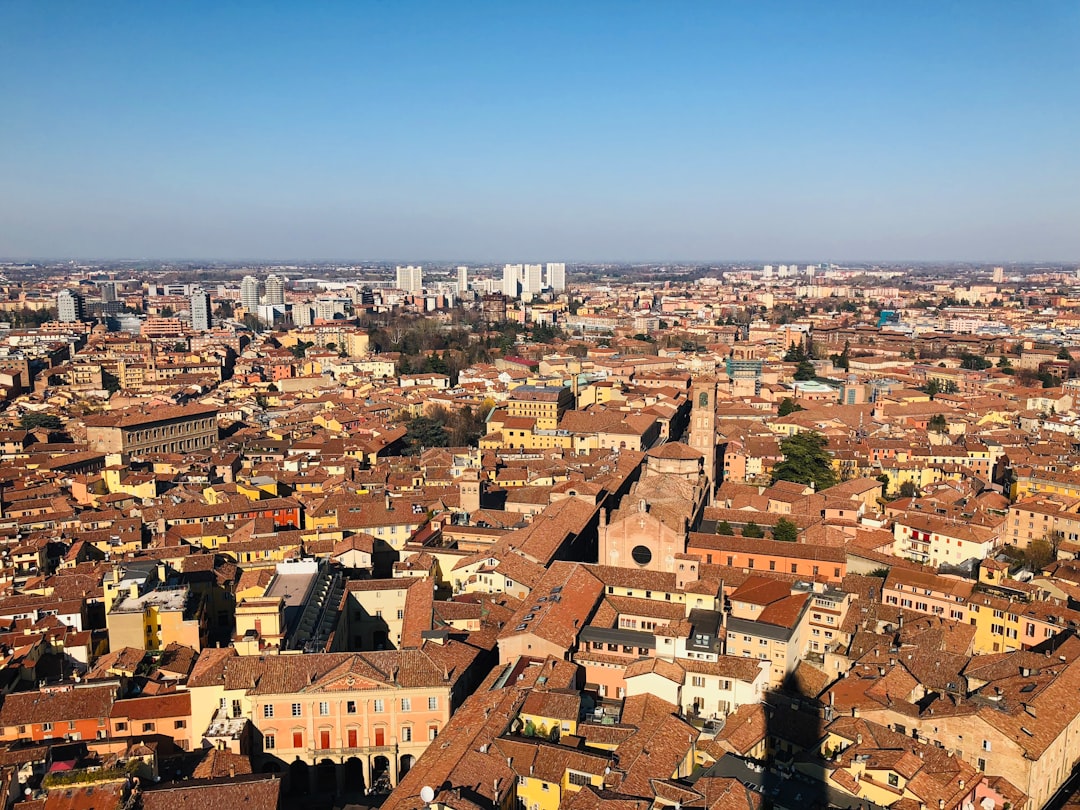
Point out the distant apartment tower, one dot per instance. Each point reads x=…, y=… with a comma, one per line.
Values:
x=70, y=306
x=511, y=280
x=249, y=294
x=275, y=290
x=410, y=278
x=462, y=279
x=532, y=279
x=999, y=275
x=556, y=276
x=200, y=311
x=108, y=292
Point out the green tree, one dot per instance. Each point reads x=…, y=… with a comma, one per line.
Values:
x=805, y=461
x=224, y=310
x=299, y=349
x=785, y=531
x=805, y=371
x=973, y=362
x=788, y=406
x=109, y=381
x=933, y=388
x=724, y=528
x=31, y=420
x=884, y=479
x=425, y=431
x=166, y=312
x=937, y=423
x=909, y=490
x=751, y=529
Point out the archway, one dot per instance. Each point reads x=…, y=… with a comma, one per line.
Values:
x=406, y=763
x=380, y=775
x=354, y=775
x=298, y=777
x=326, y=777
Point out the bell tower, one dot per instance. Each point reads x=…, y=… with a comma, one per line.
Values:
x=703, y=427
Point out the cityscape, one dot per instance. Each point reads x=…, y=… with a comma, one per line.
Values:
x=597, y=406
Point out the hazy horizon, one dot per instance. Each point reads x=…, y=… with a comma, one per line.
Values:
x=920, y=133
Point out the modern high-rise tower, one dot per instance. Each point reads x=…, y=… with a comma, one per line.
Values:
x=410, y=278
x=200, y=311
x=249, y=294
x=556, y=276
x=70, y=306
x=532, y=278
x=462, y=279
x=511, y=280
x=275, y=290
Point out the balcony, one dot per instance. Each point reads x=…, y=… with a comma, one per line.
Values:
x=316, y=753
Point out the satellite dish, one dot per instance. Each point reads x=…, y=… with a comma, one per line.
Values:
x=427, y=794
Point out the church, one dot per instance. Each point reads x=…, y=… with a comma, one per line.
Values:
x=650, y=527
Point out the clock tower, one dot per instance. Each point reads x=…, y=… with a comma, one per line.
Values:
x=703, y=427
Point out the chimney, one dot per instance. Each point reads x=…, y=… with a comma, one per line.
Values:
x=232, y=770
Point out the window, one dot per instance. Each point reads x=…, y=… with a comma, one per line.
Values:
x=46, y=726
x=268, y=710
x=794, y=568
x=544, y=786
x=406, y=704
x=698, y=680
x=982, y=764
x=147, y=726
x=432, y=703
x=350, y=707
x=269, y=743
x=298, y=739
x=432, y=732
x=406, y=734
x=578, y=778
x=324, y=708
x=401, y=613
x=179, y=724
x=119, y=727
x=986, y=745
x=297, y=710
x=894, y=780
x=379, y=705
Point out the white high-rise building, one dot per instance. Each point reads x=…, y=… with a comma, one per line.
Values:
x=410, y=278
x=999, y=275
x=462, y=279
x=275, y=290
x=69, y=306
x=532, y=278
x=556, y=276
x=511, y=280
x=200, y=311
x=249, y=294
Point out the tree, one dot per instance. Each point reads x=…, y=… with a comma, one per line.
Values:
x=909, y=490
x=785, y=531
x=109, y=381
x=425, y=431
x=1040, y=553
x=788, y=406
x=937, y=423
x=166, y=312
x=724, y=528
x=973, y=362
x=885, y=480
x=805, y=371
x=805, y=461
x=224, y=310
x=933, y=388
x=299, y=349
x=751, y=529
x=48, y=421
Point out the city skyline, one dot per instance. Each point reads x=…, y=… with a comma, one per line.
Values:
x=603, y=133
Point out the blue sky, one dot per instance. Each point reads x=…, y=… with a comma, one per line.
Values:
x=541, y=131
